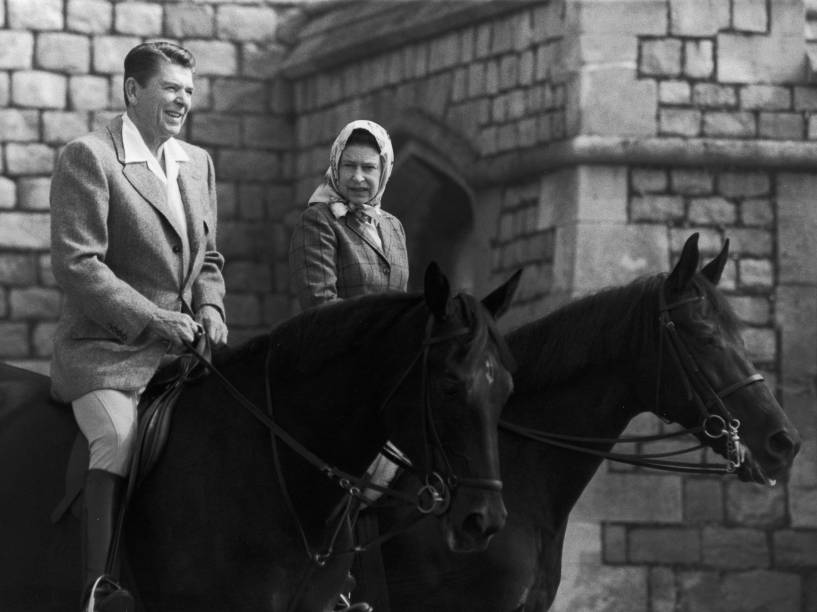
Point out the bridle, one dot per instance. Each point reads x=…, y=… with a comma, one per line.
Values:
x=433, y=498
x=716, y=420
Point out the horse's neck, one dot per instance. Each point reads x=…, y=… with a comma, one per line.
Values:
x=602, y=331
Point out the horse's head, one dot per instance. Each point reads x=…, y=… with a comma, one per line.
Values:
x=707, y=379
x=466, y=367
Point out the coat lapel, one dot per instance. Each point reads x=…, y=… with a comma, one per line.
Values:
x=142, y=179
x=354, y=224
x=189, y=180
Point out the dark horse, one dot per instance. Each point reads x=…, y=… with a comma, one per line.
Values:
x=211, y=528
x=586, y=370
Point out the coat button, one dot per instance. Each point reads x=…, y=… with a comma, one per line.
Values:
x=177, y=249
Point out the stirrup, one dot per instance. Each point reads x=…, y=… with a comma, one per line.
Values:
x=107, y=595
x=345, y=605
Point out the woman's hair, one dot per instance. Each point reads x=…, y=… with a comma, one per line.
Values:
x=363, y=138
x=143, y=61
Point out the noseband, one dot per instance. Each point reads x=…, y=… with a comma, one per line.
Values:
x=717, y=421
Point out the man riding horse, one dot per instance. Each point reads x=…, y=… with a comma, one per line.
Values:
x=133, y=214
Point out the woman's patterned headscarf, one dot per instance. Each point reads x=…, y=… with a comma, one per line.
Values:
x=328, y=192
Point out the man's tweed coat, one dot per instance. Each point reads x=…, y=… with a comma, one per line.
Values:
x=118, y=255
x=332, y=258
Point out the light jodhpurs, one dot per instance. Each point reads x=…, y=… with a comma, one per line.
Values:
x=107, y=417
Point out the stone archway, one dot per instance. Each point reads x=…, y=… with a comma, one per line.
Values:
x=436, y=210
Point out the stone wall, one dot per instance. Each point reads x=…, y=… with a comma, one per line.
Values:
x=592, y=136
x=60, y=76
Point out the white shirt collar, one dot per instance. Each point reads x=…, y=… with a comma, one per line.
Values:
x=137, y=151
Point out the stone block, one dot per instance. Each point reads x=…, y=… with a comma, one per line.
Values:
x=216, y=129
x=660, y=57
x=245, y=23
x=236, y=164
x=698, y=17
x=756, y=273
x=34, y=303
x=796, y=225
x=88, y=92
x=42, y=339
x=782, y=126
x=40, y=15
x=679, y=122
x=729, y=125
x=63, y=52
x=4, y=92
x=248, y=276
x=657, y=208
x=761, y=344
x=38, y=89
x=714, y=95
x=795, y=549
x=674, y=92
x=244, y=309
x=8, y=194
x=664, y=545
x=60, y=127
x=805, y=98
x=802, y=502
x=251, y=204
x=738, y=184
x=138, y=19
x=663, y=592
x=692, y=181
x=443, y=52
x=32, y=158
x=276, y=308
x=614, y=544
x=794, y=310
x=214, y=57
x=18, y=125
x=750, y=16
x=648, y=180
x=699, y=59
x=760, y=59
x=752, y=310
x=619, y=497
x=765, y=97
x=189, y=20
x=33, y=192
x=14, y=338
x=703, y=501
x=46, y=272
x=712, y=210
x=613, y=102
x=17, y=269
x=239, y=95
x=734, y=549
x=109, y=52
x=89, y=16
x=759, y=590
x=811, y=128
x=25, y=230
x=264, y=61
x=642, y=17
x=508, y=72
x=16, y=50
x=601, y=48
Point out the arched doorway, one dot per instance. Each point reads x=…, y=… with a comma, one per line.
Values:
x=436, y=212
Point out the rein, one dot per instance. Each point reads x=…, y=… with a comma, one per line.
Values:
x=434, y=497
x=716, y=420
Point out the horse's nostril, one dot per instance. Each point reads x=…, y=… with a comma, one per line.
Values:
x=782, y=444
x=474, y=524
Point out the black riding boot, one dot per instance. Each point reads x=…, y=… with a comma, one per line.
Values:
x=103, y=495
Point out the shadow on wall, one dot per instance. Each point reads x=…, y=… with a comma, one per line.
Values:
x=436, y=213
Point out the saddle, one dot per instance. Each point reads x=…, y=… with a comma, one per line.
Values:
x=154, y=415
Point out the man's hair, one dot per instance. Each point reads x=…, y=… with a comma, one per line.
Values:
x=143, y=61
x=364, y=138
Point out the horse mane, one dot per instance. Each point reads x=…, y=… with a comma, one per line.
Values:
x=319, y=335
x=600, y=329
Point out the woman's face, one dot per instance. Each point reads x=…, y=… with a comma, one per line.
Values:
x=359, y=173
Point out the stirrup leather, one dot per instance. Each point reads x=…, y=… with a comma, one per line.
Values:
x=107, y=595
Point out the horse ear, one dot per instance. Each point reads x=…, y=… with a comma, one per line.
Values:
x=499, y=300
x=713, y=270
x=437, y=291
x=687, y=266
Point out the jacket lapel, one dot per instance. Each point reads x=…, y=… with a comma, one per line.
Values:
x=142, y=179
x=188, y=180
x=354, y=224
